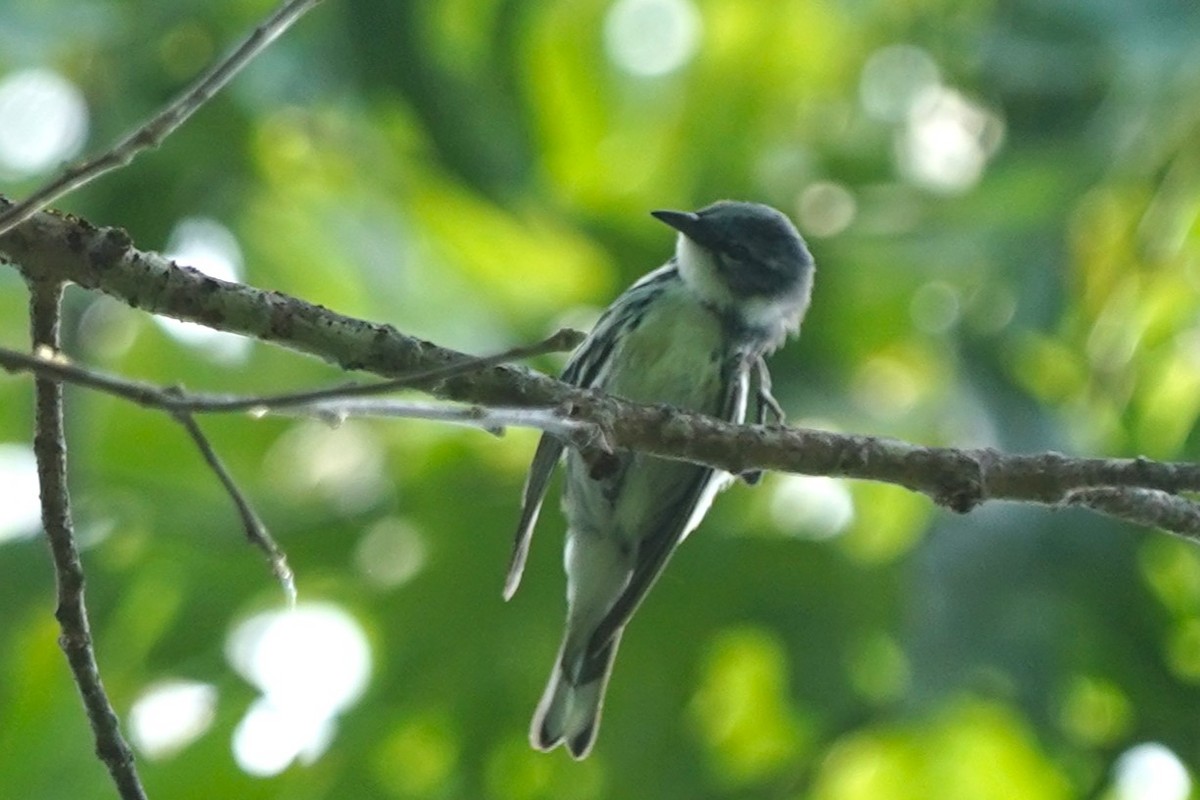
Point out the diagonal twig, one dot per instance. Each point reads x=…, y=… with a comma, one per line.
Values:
x=256, y=532
x=491, y=419
x=150, y=134
x=50, y=449
x=560, y=340
x=144, y=394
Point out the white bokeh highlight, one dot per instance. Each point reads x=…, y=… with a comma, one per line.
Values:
x=649, y=38
x=310, y=663
x=811, y=506
x=391, y=553
x=210, y=247
x=892, y=78
x=826, y=209
x=935, y=307
x=943, y=140
x=947, y=140
x=43, y=122
x=268, y=739
x=170, y=715
x=886, y=387
x=342, y=466
x=1151, y=771
x=20, y=508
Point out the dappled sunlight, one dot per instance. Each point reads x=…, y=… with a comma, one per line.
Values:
x=510, y=263
x=943, y=139
x=311, y=664
x=1151, y=772
x=969, y=750
x=418, y=756
x=888, y=385
x=948, y=140
x=1170, y=401
x=984, y=750
x=169, y=715
x=991, y=308
x=513, y=771
x=742, y=710
x=43, y=122
x=342, y=466
x=893, y=77
x=888, y=523
x=1183, y=649
x=911, y=385
x=935, y=307
x=1130, y=345
x=108, y=328
x=810, y=507
x=185, y=49
x=871, y=765
x=1171, y=569
x=878, y=667
x=1048, y=367
x=391, y=553
x=651, y=37
x=1095, y=711
x=268, y=738
x=1118, y=328
x=826, y=208
x=20, y=508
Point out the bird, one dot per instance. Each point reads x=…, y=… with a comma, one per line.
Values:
x=692, y=334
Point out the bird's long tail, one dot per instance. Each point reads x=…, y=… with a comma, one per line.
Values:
x=569, y=711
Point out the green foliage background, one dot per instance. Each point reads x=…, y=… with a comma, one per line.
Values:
x=477, y=172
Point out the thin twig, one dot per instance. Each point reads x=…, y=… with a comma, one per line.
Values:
x=563, y=339
x=47, y=364
x=256, y=532
x=172, y=400
x=50, y=449
x=492, y=420
x=163, y=124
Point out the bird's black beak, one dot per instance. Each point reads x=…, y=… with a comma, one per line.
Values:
x=686, y=222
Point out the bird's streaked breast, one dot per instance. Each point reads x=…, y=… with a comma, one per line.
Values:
x=674, y=355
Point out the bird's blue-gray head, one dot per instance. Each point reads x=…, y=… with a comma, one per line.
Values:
x=746, y=259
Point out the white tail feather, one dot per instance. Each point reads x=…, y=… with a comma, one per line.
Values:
x=569, y=712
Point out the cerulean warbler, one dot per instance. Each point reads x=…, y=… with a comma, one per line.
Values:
x=691, y=334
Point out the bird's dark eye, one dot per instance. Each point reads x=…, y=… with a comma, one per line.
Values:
x=739, y=252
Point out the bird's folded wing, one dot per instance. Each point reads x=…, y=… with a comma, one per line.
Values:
x=672, y=523
x=544, y=459
x=652, y=556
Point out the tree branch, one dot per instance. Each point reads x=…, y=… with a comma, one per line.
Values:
x=1143, y=506
x=52, y=246
x=50, y=450
x=151, y=134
